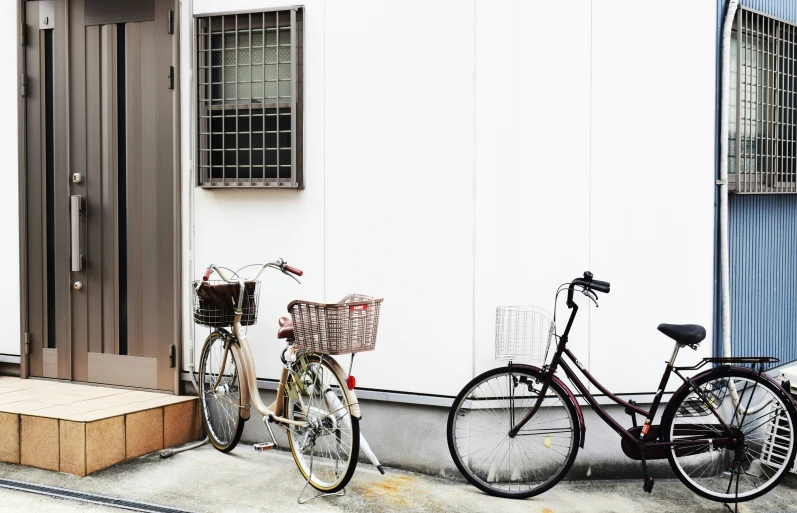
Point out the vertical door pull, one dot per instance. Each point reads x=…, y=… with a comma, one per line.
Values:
x=76, y=205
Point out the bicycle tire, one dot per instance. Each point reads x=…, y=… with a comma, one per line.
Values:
x=211, y=422
x=339, y=484
x=680, y=406
x=481, y=484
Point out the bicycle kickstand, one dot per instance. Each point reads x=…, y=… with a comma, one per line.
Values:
x=341, y=493
x=648, y=483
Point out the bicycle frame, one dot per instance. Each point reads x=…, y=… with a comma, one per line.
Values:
x=559, y=361
x=238, y=343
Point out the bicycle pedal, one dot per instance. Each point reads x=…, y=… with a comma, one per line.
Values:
x=648, y=485
x=265, y=446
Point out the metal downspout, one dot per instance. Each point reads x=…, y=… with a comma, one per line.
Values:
x=725, y=299
x=725, y=282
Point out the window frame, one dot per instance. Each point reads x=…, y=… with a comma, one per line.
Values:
x=763, y=143
x=206, y=103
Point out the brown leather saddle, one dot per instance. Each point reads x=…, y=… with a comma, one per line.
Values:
x=286, y=328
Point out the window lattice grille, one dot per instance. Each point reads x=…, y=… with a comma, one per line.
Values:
x=249, y=99
x=763, y=101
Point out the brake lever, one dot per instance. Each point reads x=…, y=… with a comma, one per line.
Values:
x=286, y=273
x=591, y=295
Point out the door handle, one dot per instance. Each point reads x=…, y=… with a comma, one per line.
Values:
x=76, y=205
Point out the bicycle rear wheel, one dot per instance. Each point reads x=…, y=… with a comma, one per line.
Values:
x=220, y=394
x=478, y=433
x=326, y=449
x=757, y=456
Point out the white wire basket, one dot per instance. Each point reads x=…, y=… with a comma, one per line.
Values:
x=523, y=333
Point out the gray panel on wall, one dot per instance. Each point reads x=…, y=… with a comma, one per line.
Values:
x=98, y=12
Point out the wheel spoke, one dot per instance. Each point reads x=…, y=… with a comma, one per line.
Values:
x=333, y=442
x=758, y=448
x=220, y=405
x=479, y=428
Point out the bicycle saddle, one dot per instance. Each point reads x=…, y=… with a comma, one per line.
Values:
x=286, y=328
x=686, y=334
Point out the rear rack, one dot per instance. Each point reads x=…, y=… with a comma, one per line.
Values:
x=733, y=360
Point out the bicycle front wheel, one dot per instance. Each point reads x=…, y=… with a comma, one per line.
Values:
x=512, y=467
x=745, y=464
x=327, y=446
x=220, y=394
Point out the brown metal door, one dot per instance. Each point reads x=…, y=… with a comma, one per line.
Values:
x=103, y=203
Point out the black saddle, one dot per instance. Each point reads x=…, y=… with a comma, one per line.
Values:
x=686, y=334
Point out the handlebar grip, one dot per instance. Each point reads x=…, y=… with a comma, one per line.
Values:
x=600, y=286
x=207, y=274
x=293, y=270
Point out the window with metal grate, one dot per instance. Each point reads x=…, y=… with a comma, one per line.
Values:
x=249, y=99
x=762, y=145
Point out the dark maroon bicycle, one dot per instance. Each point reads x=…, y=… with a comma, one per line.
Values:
x=514, y=431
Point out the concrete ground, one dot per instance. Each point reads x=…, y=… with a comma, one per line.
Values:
x=204, y=480
x=16, y=501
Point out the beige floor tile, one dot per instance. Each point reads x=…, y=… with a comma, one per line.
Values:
x=166, y=400
x=10, y=378
x=72, y=438
x=93, y=415
x=105, y=443
x=27, y=384
x=90, y=392
x=23, y=395
x=144, y=432
x=9, y=438
x=23, y=407
x=4, y=390
x=39, y=442
x=104, y=413
x=59, y=411
x=60, y=399
x=124, y=409
x=115, y=400
x=138, y=396
x=180, y=423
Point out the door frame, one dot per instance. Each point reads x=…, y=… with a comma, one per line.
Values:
x=23, y=197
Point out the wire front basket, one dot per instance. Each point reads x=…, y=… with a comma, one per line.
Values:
x=523, y=333
x=215, y=301
x=348, y=326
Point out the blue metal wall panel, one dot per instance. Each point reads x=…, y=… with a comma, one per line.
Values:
x=783, y=9
x=763, y=267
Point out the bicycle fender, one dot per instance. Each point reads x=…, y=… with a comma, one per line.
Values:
x=351, y=397
x=582, y=426
x=246, y=411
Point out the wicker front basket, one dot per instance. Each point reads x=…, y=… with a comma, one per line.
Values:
x=349, y=326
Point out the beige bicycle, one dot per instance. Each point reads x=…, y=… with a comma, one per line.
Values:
x=315, y=404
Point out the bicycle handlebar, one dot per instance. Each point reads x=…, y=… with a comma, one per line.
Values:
x=293, y=270
x=279, y=264
x=588, y=283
